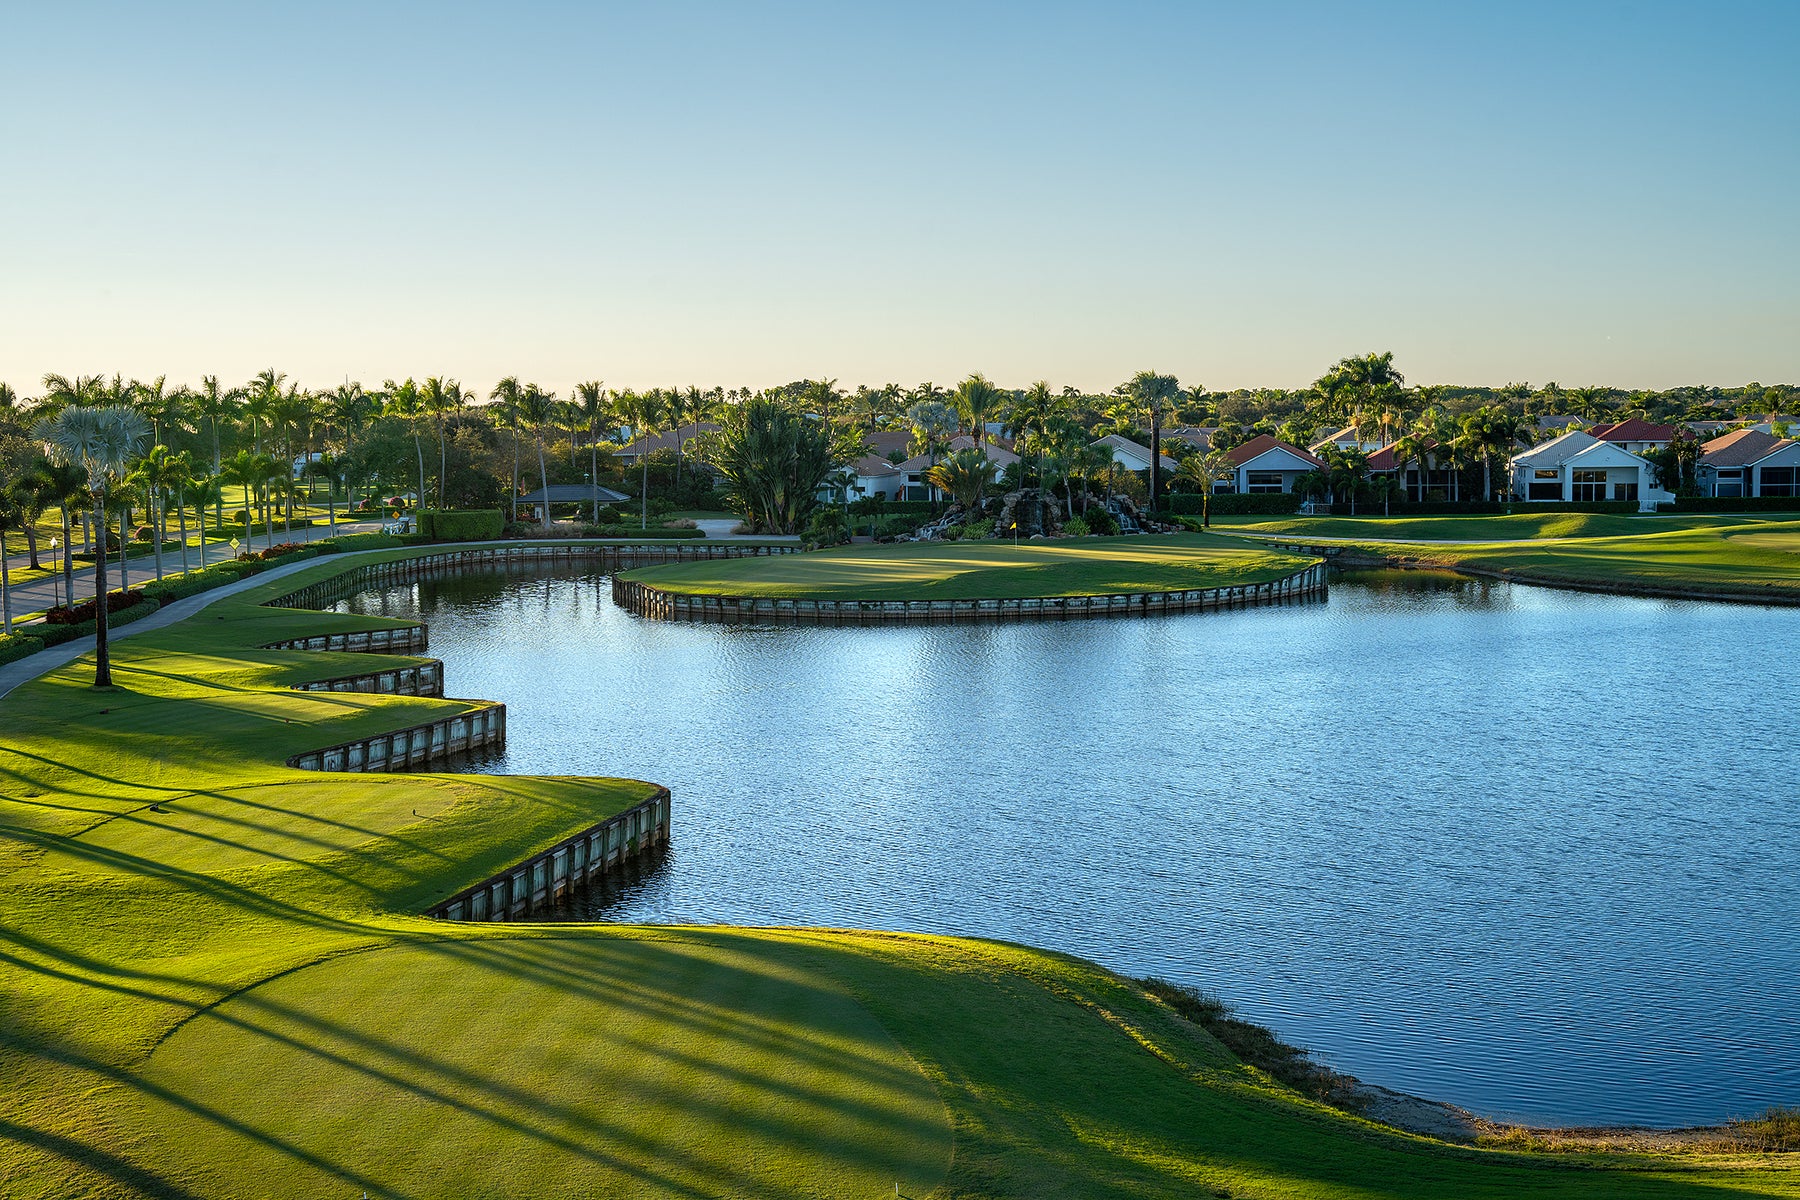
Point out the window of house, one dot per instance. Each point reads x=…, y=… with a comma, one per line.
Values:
x=1587, y=486
x=1780, y=481
x=1550, y=473
x=1263, y=481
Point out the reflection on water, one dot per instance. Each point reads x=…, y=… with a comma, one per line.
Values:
x=1524, y=850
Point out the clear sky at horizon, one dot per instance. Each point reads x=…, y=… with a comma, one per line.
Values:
x=747, y=194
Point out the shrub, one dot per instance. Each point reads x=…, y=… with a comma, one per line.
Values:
x=1260, y=503
x=179, y=587
x=348, y=542
x=1075, y=527
x=142, y=533
x=889, y=528
x=826, y=528
x=979, y=529
x=241, y=518
x=1100, y=521
x=1775, y=1129
x=87, y=610
x=15, y=646
x=462, y=525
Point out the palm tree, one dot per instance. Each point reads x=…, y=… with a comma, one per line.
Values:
x=538, y=408
x=1206, y=469
x=1491, y=431
x=439, y=399
x=1032, y=411
x=1349, y=470
x=644, y=412
x=507, y=393
x=204, y=491
x=1383, y=487
x=214, y=402
x=347, y=409
x=1087, y=461
x=590, y=401
x=260, y=395
x=102, y=441
x=976, y=399
x=1156, y=394
x=1409, y=449
x=158, y=473
x=403, y=402
x=12, y=516
x=965, y=474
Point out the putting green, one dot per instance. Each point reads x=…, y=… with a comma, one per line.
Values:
x=595, y=1066
x=993, y=570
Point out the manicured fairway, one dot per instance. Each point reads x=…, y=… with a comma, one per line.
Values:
x=229, y=998
x=1475, y=529
x=993, y=570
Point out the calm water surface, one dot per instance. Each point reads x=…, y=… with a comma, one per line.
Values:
x=1527, y=851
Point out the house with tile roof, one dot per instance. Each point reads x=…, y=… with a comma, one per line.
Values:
x=1581, y=468
x=1423, y=481
x=1750, y=462
x=1636, y=434
x=1268, y=465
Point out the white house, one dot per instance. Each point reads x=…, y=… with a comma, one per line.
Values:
x=1346, y=439
x=1636, y=434
x=1750, y=462
x=1133, y=457
x=1425, y=480
x=1578, y=467
x=1266, y=464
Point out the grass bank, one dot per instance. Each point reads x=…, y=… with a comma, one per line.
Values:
x=984, y=570
x=1517, y=526
x=1735, y=558
x=210, y=985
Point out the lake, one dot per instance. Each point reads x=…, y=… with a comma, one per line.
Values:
x=1530, y=852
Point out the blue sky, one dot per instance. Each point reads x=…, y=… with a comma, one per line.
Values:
x=746, y=194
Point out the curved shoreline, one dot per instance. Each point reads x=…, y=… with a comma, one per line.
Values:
x=333, y=574
x=1354, y=556
x=645, y=600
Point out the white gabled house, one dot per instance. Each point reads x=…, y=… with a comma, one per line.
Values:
x=1267, y=465
x=1578, y=467
x=1133, y=457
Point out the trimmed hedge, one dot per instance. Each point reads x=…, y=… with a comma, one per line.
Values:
x=56, y=635
x=632, y=531
x=15, y=646
x=461, y=525
x=1732, y=504
x=1272, y=504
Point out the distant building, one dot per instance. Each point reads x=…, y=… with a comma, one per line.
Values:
x=1345, y=439
x=1131, y=456
x=1750, y=462
x=637, y=447
x=1636, y=435
x=1268, y=465
x=1581, y=468
x=1424, y=480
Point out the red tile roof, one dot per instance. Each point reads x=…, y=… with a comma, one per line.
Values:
x=1634, y=430
x=1261, y=444
x=1384, y=460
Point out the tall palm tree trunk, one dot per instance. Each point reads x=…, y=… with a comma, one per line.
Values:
x=644, y=457
x=68, y=563
x=515, y=487
x=102, y=661
x=594, y=473
x=124, y=545
x=544, y=476
x=5, y=597
x=181, y=518
x=158, y=522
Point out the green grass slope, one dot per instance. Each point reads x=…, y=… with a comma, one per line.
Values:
x=224, y=995
x=1453, y=528
x=985, y=570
